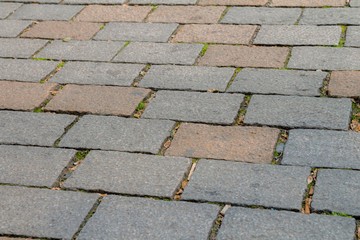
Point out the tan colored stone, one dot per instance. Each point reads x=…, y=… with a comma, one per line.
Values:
x=308, y=3
x=245, y=144
x=345, y=84
x=234, y=2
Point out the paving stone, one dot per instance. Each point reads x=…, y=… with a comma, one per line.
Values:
x=129, y=173
x=187, y=77
x=215, y=33
x=28, y=128
x=330, y=16
x=146, y=218
x=345, y=84
x=355, y=3
x=322, y=148
x=43, y=213
x=20, y=48
x=98, y=13
x=24, y=96
x=140, y=32
x=234, y=2
x=167, y=2
x=12, y=28
x=33, y=1
x=325, y=58
x=97, y=99
x=308, y=3
x=6, y=238
x=299, y=112
x=244, y=56
x=97, y=73
x=116, y=133
x=186, y=14
x=46, y=12
x=274, y=81
x=261, y=15
x=248, y=144
x=94, y=1
x=352, y=37
x=338, y=191
x=247, y=184
x=7, y=8
x=159, y=53
x=195, y=107
x=248, y=223
x=298, y=35
x=25, y=70
x=81, y=50
x=32, y=166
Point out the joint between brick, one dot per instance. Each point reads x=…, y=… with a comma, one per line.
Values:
x=141, y=75
x=180, y=189
x=167, y=142
x=218, y=222
x=142, y=105
x=279, y=147
x=309, y=191
x=243, y=108
x=56, y=143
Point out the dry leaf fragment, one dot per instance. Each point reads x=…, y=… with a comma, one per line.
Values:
x=55, y=188
x=213, y=90
x=355, y=125
x=223, y=211
x=180, y=192
x=137, y=115
x=309, y=179
x=184, y=183
x=177, y=197
x=53, y=93
x=307, y=205
x=167, y=144
x=311, y=191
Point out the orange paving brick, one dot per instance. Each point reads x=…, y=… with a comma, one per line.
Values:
x=345, y=84
x=308, y=3
x=234, y=2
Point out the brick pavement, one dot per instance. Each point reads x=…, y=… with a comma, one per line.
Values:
x=179, y=119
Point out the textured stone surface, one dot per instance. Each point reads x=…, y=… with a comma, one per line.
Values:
x=187, y=78
x=245, y=223
x=7, y=8
x=122, y=216
x=58, y=214
x=215, y=33
x=20, y=48
x=116, y=133
x=32, y=166
x=247, y=184
x=252, y=15
x=248, y=144
x=32, y=1
x=325, y=58
x=23, y=96
x=94, y=1
x=299, y=112
x=330, y=16
x=97, y=73
x=355, y=3
x=140, y=32
x=128, y=173
x=273, y=81
x=322, y=148
x=345, y=84
x=308, y=3
x=298, y=35
x=81, y=50
x=194, y=107
x=338, y=191
x=172, y=2
x=12, y=28
x=159, y=53
x=244, y=56
x=234, y=2
x=352, y=36
x=29, y=128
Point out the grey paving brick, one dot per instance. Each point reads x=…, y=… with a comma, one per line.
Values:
x=140, y=32
x=29, y=128
x=145, y=218
x=12, y=28
x=43, y=213
x=299, y=112
x=322, y=148
x=32, y=1
x=159, y=53
x=194, y=107
x=7, y=8
x=298, y=35
x=337, y=191
x=81, y=50
x=325, y=58
x=247, y=184
x=116, y=133
x=261, y=15
x=352, y=37
x=331, y=16
x=46, y=12
x=98, y=73
x=129, y=173
x=20, y=48
x=245, y=223
x=94, y=1
x=355, y=3
x=167, y=2
x=274, y=81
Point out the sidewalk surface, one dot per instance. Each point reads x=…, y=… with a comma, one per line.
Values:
x=180, y=119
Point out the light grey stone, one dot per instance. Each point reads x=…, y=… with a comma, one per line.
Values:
x=325, y=58
x=247, y=184
x=33, y=1
x=20, y=48
x=43, y=213
x=164, y=2
x=117, y=133
x=195, y=107
x=28, y=128
x=355, y=3
x=12, y=28
x=337, y=191
x=261, y=15
x=146, y=218
x=352, y=37
x=245, y=223
x=322, y=148
x=298, y=35
x=187, y=78
x=94, y=1
x=140, y=32
x=159, y=53
x=274, y=81
x=299, y=112
x=7, y=8
x=330, y=16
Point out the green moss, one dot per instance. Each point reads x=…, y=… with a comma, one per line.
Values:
x=141, y=106
x=206, y=45
x=340, y=214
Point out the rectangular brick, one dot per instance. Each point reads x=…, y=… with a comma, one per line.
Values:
x=308, y=3
x=12, y=28
x=234, y=2
x=352, y=36
x=355, y=3
x=20, y=48
x=165, y=2
x=248, y=144
x=244, y=56
x=345, y=84
x=7, y=8
x=94, y=1
x=330, y=16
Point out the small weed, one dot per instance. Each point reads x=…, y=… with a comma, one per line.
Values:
x=340, y=214
x=154, y=7
x=206, y=45
x=81, y=155
x=38, y=110
x=61, y=64
x=141, y=106
x=102, y=27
